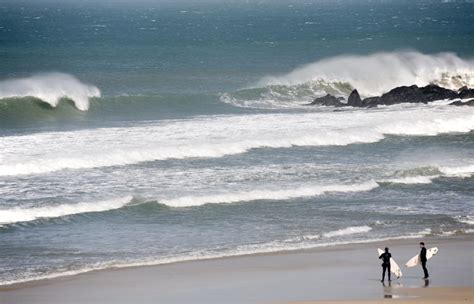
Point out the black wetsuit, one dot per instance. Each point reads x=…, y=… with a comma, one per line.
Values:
x=385, y=257
x=423, y=260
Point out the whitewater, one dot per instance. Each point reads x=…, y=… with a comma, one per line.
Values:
x=378, y=73
x=219, y=136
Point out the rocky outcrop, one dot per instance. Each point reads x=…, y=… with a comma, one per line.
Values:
x=329, y=100
x=469, y=103
x=354, y=99
x=465, y=93
x=413, y=94
x=403, y=94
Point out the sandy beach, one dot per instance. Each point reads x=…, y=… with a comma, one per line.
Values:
x=338, y=274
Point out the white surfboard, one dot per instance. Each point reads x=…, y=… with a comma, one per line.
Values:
x=394, y=268
x=416, y=259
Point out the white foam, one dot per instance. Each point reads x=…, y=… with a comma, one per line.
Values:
x=217, y=136
x=424, y=232
x=411, y=179
x=468, y=219
x=444, y=171
x=14, y=215
x=252, y=195
x=50, y=87
x=459, y=171
x=347, y=231
x=378, y=73
x=452, y=232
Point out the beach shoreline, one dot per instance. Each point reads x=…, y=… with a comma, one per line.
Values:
x=316, y=274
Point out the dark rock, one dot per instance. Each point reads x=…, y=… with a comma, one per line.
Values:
x=328, y=100
x=465, y=93
x=411, y=94
x=433, y=92
x=371, y=102
x=414, y=94
x=469, y=103
x=355, y=100
x=403, y=94
x=400, y=95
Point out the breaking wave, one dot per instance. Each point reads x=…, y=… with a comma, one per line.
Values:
x=253, y=195
x=371, y=75
x=460, y=171
x=467, y=219
x=426, y=175
x=411, y=180
x=14, y=215
x=50, y=88
x=347, y=231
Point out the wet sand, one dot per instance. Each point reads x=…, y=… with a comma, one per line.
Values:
x=434, y=295
x=339, y=274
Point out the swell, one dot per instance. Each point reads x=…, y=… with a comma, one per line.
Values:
x=32, y=112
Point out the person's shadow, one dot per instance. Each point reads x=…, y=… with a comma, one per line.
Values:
x=387, y=290
x=387, y=285
x=427, y=283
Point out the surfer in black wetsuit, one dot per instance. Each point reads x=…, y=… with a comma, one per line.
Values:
x=385, y=257
x=423, y=259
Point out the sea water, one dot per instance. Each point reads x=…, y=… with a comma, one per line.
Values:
x=154, y=132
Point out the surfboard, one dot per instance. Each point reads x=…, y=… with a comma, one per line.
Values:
x=416, y=259
x=394, y=268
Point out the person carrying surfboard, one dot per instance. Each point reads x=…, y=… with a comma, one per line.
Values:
x=423, y=259
x=385, y=257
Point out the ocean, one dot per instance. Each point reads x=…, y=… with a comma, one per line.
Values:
x=154, y=132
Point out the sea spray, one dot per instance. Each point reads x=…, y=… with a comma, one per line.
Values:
x=378, y=73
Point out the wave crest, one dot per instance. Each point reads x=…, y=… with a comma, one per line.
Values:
x=50, y=88
x=15, y=215
x=307, y=191
x=380, y=72
x=426, y=175
x=347, y=231
x=371, y=75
